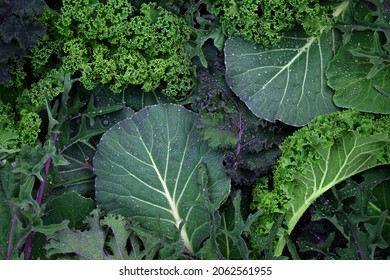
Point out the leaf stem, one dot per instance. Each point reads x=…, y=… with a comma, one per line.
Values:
x=30, y=238
x=83, y=164
x=11, y=234
x=355, y=237
x=341, y=8
x=240, y=132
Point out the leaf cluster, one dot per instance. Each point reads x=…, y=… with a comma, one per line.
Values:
x=251, y=145
x=19, y=33
x=315, y=158
x=97, y=163
x=360, y=71
x=357, y=220
x=116, y=43
x=263, y=22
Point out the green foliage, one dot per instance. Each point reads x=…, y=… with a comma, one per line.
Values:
x=90, y=244
x=114, y=43
x=80, y=131
x=359, y=73
x=21, y=213
x=17, y=131
x=28, y=127
x=286, y=82
x=250, y=144
x=263, y=22
x=19, y=32
x=357, y=220
x=317, y=157
x=145, y=170
x=34, y=98
x=71, y=207
x=107, y=238
x=86, y=116
x=231, y=235
x=8, y=132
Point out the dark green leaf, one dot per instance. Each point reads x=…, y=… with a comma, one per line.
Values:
x=146, y=170
x=357, y=72
x=286, y=82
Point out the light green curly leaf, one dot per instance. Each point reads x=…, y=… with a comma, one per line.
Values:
x=324, y=153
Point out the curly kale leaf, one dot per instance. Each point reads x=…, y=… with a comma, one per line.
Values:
x=17, y=129
x=263, y=21
x=19, y=32
x=112, y=42
x=315, y=158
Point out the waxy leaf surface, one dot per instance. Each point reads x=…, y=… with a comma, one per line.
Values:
x=285, y=83
x=146, y=169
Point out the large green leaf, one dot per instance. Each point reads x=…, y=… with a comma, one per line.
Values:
x=360, y=74
x=286, y=82
x=146, y=168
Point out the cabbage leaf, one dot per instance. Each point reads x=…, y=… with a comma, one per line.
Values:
x=146, y=169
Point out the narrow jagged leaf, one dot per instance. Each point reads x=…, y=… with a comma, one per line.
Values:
x=286, y=82
x=146, y=168
x=231, y=236
x=80, y=135
x=379, y=205
x=360, y=75
x=322, y=248
x=9, y=187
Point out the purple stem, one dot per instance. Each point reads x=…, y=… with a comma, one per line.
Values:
x=11, y=235
x=387, y=5
x=240, y=133
x=359, y=246
x=357, y=242
x=30, y=238
x=83, y=164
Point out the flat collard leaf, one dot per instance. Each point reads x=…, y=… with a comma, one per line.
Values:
x=146, y=170
x=286, y=82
